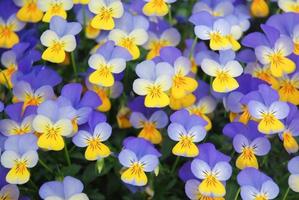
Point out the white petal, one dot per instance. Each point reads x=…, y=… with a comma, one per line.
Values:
x=140, y=36
x=96, y=61
x=8, y=159
x=202, y=32
x=65, y=125
x=118, y=65
x=31, y=157
x=279, y=109
x=262, y=54
x=257, y=109
x=199, y=168
x=164, y=82
x=234, y=68
x=69, y=43
x=223, y=171
x=210, y=66
x=127, y=157
x=48, y=38
x=140, y=86
x=172, y=36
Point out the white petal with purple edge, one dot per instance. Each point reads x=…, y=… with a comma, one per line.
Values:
x=199, y=168
x=96, y=61
x=175, y=131
x=210, y=66
x=164, y=82
x=234, y=68
x=239, y=142
x=81, y=138
x=223, y=171
x=221, y=26
x=127, y=157
x=31, y=158
x=149, y=162
x=248, y=192
x=191, y=189
x=164, y=68
x=198, y=133
x=284, y=45
x=202, y=32
x=257, y=109
x=21, y=90
x=270, y=188
x=279, y=109
x=8, y=159
x=160, y=119
x=262, y=54
x=182, y=65
x=261, y=146
x=146, y=69
x=103, y=130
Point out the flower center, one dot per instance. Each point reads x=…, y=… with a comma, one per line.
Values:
x=52, y=133
x=106, y=13
x=155, y=91
x=31, y=6
x=261, y=197
x=5, y=31
x=288, y=87
x=269, y=118
x=186, y=141
x=222, y=76
x=94, y=143
x=248, y=153
x=216, y=37
x=104, y=71
x=56, y=8
x=21, y=167
x=127, y=42
x=178, y=80
x=211, y=180
x=136, y=169
x=57, y=46
x=157, y=3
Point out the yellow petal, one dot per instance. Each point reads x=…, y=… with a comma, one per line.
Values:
x=190, y=150
x=289, y=143
x=158, y=101
x=30, y=13
x=267, y=127
x=219, y=42
x=98, y=22
x=157, y=8
x=245, y=160
x=54, y=143
x=224, y=84
x=49, y=14
x=281, y=66
x=151, y=134
x=259, y=8
x=9, y=39
x=182, y=86
x=132, y=177
x=100, y=151
x=54, y=56
x=105, y=79
x=18, y=175
x=212, y=186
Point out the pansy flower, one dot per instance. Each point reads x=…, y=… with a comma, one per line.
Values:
x=256, y=185
x=19, y=155
x=108, y=60
x=265, y=107
x=96, y=149
x=23, y=92
x=29, y=11
x=192, y=183
x=153, y=82
x=69, y=188
x=130, y=32
x=294, y=177
x=187, y=130
x=213, y=30
x=8, y=29
x=105, y=12
x=169, y=37
x=272, y=49
x=157, y=120
x=59, y=39
x=248, y=142
x=224, y=72
x=291, y=130
x=138, y=156
x=9, y=191
x=212, y=172
x=50, y=126
x=289, y=5
x=20, y=121
x=54, y=8
x=157, y=7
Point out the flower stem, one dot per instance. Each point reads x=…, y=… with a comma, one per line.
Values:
x=237, y=194
x=67, y=156
x=193, y=47
x=175, y=164
x=286, y=194
x=45, y=166
x=169, y=14
x=74, y=66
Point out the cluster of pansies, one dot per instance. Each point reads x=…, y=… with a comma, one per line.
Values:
x=149, y=99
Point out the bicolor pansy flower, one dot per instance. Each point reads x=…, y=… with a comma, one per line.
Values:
x=269, y=117
x=153, y=82
x=105, y=13
x=224, y=72
x=69, y=188
x=107, y=61
x=216, y=33
x=59, y=39
x=51, y=127
x=23, y=92
x=169, y=37
x=8, y=29
x=248, y=142
x=54, y=8
x=186, y=130
x=138, y=156
x=95, y=148
x=29, y=11
x=212, y=177
x=130, y=32
x=19, y=157
x=272, y=49
x=294, y=177
x=157, y=7
x=256, y=185
x=150, y=126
